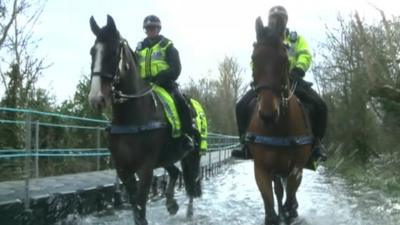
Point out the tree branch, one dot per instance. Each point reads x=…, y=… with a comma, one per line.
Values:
x=385, y=91
x=7, y=27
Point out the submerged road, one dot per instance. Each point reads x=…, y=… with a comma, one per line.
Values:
x=232, y=198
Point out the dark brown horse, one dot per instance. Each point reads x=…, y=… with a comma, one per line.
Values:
x=279, y=135
x=139, y=136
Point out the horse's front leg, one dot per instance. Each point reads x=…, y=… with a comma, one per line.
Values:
x=278, y=187
x=172, y=205
x=128, y=179
x=291, y=204
x=145, y=176
x=264, y=183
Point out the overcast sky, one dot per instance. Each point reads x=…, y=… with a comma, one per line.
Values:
x=203, y=31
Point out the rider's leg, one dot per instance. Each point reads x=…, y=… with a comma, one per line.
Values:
x=184, y=113
x=243, y=114
x=318, y=115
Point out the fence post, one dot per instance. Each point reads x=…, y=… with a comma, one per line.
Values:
x=219, y=156
x=224, y=154
x=37, y=149
x=98, y=149
x=209, y=157
x=28, y=139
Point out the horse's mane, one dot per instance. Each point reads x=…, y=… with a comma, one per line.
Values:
x=129, y=52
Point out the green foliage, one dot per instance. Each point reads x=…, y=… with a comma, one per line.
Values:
x=356, y=59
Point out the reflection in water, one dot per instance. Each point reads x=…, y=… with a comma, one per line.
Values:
x=233, y=198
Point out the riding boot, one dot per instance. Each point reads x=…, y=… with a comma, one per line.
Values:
x=317, y=152
x=243, y=151
x=188, y=132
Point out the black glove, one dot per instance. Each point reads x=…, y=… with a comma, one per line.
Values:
x=297, y=74
x=160, y=80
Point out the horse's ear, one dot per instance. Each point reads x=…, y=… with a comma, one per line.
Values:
x=93, y=25
x=111, y=23
x=259, y=28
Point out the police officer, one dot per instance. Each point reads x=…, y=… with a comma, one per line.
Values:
x=159, y=63
x=300, y=61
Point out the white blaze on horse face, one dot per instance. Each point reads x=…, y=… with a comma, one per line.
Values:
x=95, y=87
x=99, y=52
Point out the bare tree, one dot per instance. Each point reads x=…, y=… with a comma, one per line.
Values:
x=17, y=47
x=229, y=88
x=219, y=96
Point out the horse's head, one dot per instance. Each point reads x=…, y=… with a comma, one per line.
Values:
x=270, y=72
x=105, y=56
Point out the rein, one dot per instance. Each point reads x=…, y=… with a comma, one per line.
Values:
x=118, y=95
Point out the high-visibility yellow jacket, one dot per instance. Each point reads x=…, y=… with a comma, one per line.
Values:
x=298, y=51
x=152, y=60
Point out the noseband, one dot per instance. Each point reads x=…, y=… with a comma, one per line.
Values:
x=118, y=95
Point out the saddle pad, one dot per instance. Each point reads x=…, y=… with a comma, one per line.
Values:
x=201, y=124
x=170, y=110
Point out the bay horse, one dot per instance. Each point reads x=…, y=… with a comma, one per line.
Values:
x=279, y=134
x=139, y=137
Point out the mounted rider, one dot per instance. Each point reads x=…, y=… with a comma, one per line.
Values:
x=159, y=63
x=300, y=61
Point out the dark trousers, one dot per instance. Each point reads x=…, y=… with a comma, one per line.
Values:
x=244, y=110
x=183, y=108
x=316, y=106
x=310, y=98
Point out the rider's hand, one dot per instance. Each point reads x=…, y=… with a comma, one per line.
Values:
x=297, y=73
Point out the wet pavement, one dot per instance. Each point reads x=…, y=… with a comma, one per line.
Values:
x=232, y=198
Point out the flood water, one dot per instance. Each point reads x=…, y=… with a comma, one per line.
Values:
x=232, y=198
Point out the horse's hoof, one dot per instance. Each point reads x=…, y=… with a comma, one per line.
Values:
x=172, y=207
x=141, y=222
x=272, y=221
x=290, y=216
x=189, y=212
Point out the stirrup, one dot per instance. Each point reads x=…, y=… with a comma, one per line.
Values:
x=318, y=155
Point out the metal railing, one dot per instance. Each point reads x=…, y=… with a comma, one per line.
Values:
x=26, y=159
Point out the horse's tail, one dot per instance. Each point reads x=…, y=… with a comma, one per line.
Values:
x=191, y=174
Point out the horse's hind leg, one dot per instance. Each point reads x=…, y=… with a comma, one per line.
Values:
x=293, y=183
x=191, y=176
x=278, y=187
x=128, y=178
x=172, y=205
x=264, y=183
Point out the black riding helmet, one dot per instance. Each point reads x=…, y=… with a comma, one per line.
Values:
x=151, y=21
x=278, y=11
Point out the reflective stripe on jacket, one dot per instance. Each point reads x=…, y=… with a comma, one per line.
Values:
x=153, y=60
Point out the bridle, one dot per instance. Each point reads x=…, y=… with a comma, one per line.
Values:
x=118, y=95
x=285, y=91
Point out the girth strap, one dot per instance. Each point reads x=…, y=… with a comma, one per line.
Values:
x=279, y=141
x=153, y=125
